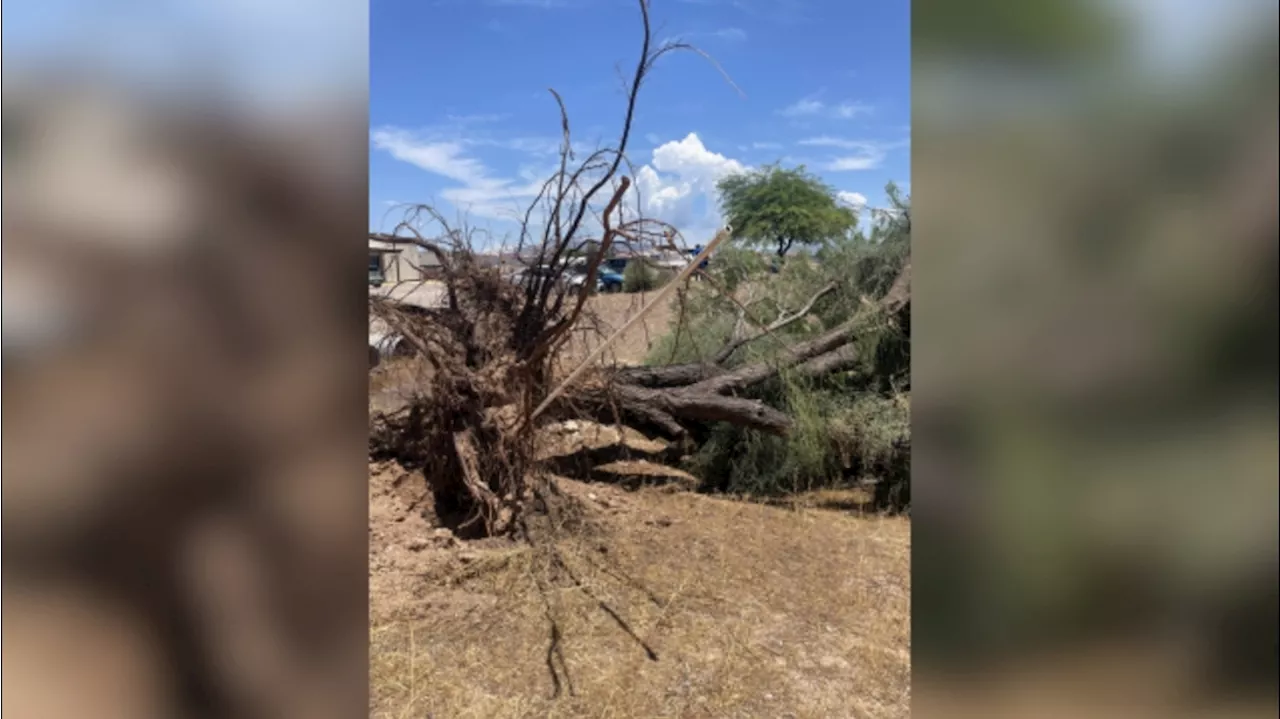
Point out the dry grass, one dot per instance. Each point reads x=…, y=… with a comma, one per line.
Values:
x=751, y=611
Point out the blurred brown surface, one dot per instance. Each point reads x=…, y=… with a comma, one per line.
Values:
x=184, y=504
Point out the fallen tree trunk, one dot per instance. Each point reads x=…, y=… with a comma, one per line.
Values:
x=663, y=410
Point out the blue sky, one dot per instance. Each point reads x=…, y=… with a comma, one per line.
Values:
x=459, y=113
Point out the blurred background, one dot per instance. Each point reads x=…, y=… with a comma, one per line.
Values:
x=184, y=487
x=1095, y=432
x=184, y=507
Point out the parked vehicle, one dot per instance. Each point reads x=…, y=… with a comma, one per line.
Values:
x=607, y=280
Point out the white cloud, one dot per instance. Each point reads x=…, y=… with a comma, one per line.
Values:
x=766, y=145
x=856, y=200
x=868, y=154
x=855, y=163
x=848, y=109
x=803, y=108
x=735, y=34
x=828, y=141
x=480, y=192
x=442, y=158
x=681, y=176
x=813, y=107
x=475, y=119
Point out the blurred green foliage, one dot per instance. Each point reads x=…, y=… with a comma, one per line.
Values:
x=1095, y=314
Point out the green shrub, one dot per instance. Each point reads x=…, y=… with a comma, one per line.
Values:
x=638, y=276
x=641, y=276
x=838, y=439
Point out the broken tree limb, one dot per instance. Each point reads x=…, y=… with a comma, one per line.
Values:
x=897, y=298
x=837, y=360
x=676, y=375
x=783, y=320
x=662, y=410
x=705, y=407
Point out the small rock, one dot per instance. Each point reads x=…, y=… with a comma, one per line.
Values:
x=570, y=426
x=592, y=496
x=768, y=697
x=418, y=544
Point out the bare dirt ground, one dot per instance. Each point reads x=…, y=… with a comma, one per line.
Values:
x=661, y=603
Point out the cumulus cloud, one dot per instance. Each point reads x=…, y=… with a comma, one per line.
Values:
x=678, y=185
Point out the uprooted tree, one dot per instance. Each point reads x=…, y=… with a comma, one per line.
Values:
x=494, y=348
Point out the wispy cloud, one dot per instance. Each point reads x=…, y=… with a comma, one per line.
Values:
x=828, y=141
x=734, y=34
x=476, y=119
x=766, y=145
x=812, y=107
x=724, y=34
x=442, y=158
x=848, y=109
x=787, y=11
x=855, y=163
x=866, y=154
x=802, y=108
x=479, y=190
